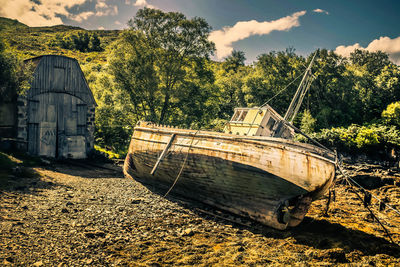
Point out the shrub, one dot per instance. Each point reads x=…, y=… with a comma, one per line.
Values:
x=391, y=115
x=371, y=139
x=307, y=122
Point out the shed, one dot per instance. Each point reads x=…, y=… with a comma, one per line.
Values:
x=56, y=116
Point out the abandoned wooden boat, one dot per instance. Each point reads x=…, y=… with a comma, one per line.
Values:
x=253, y=169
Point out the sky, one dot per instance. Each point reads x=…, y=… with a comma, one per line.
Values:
x=252, y=26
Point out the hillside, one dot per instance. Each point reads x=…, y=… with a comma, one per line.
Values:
x=29, y=42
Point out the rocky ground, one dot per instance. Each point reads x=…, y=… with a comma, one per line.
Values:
x=75, y=216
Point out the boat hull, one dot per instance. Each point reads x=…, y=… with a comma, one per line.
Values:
x=270, y=180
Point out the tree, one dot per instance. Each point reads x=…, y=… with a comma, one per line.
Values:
x=94, y=44
x=14, y=76
x=373, y=81
x=234, y=61
x=307, y=122
x=391, y=115
x=115, y=116
x=274, y=75
x=332, y=101
x=162, y=50
x=373, y=61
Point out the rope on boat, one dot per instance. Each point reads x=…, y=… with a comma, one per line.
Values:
x=183, y=164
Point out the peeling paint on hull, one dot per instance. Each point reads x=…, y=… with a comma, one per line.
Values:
x=270, y=180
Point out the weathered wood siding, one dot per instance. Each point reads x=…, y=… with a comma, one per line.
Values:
x=58, y=104
x=60, y=74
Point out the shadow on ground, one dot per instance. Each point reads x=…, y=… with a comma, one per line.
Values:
x=88, y=169
x=317, y=233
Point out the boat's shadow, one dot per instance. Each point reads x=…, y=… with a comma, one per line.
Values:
x=318, y=233
x=323, y=234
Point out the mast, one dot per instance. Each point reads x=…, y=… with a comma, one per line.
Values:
x=300, y=93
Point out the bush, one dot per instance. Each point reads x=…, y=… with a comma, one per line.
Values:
x=107, y=153
x=308, y=123
x=391, y=115
x=371, y=139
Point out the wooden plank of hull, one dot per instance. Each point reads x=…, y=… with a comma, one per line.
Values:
x=248, y=178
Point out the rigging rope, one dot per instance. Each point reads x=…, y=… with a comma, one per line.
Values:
x=269, y=100
x=286, y=87
x=183, y=164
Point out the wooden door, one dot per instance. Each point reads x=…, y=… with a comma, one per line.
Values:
x=72, y=128
x=42, y=124
x=57, y=126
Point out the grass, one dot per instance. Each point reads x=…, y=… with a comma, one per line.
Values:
x=17, y=165
x=109, y=154
x=28, y=42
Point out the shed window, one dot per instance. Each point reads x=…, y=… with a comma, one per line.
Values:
x=59, y=79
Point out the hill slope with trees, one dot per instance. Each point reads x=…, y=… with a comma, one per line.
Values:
x=159, y=69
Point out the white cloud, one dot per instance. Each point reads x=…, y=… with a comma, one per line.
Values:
x=346, y=50
x=117, y=22
x=102, y=9
x=318, y=10
x=384, y=44
x=143, y=3
x=50, y=12
x=81, y=16
x=40, y=13
x=224, y=38
x=100, y=28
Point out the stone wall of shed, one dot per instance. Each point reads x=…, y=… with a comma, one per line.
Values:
x=22, y=123
x=90, y=128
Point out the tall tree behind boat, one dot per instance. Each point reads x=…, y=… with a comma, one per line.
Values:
x=159, y=60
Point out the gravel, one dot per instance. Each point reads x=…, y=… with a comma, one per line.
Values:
x=85, y=216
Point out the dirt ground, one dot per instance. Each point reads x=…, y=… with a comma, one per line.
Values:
x=81, y=216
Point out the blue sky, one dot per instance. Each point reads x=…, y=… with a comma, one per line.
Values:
x=252, y=26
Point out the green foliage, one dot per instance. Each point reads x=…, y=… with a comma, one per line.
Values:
x=109, y=154
x=234, y=61
x=308, y=123
x=115, y=115
x=27, y=42
x=159, y=70
x=391, y=115
x=14, y=77
x=354, y=139
x=161, y=62
x=375, y=81
x=273, y=75
x=229, y=91
x=81, y=41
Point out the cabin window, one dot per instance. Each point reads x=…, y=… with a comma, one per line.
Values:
x=270, y=123
x=236, y=115
x=242, y=115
